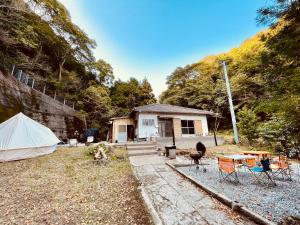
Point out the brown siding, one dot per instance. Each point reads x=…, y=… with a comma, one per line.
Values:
x=117, y=122
x=177, y=127
x=198, y=128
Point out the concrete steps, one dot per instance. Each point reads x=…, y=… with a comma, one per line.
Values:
x=139, y=149
x=141, y=152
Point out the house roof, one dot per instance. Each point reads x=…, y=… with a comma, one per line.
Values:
x=121, y=117
x=170, y=109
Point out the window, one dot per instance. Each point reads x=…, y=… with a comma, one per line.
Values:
x=187, y=127
x=148, y=122
x=122, y=128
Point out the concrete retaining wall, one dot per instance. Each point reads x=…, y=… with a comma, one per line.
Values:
x=16, y=97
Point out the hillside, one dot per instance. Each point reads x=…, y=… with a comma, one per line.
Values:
x=39, y=38
x=265, y=81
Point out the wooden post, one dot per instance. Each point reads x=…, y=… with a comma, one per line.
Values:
x=32, y=85
x=13, y=70
x=64, y=101
x=27, y=78
x=173, y=133
x=54, y=95
x=44, y=91
x=19, y=75
x=215, y=137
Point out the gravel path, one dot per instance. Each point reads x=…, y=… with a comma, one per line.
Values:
x=274, y=203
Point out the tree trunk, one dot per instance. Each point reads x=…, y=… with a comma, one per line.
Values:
x=61, y=65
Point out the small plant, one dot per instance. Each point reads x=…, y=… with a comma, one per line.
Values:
x=92, y=150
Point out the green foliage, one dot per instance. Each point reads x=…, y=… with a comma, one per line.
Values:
x=280, y=133
x=264, y=75
x=248, y=124
x=39, y=37
x=127, y=95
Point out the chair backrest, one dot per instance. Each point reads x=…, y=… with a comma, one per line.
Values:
x=251, y=162
x=201, y=149
x=265, y=164
x=226, y=165
x=283, y=162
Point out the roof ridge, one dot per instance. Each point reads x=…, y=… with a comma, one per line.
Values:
x=178, y=106
x=162, y=107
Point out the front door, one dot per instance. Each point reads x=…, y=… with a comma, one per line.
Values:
x=165, y=127
x=122, y=133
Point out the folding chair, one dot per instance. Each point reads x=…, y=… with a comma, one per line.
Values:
x=250, y=163
x=264, y=171
x=227, y=169
x=281, y=168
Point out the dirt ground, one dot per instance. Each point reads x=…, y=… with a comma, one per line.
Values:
x=67, y=187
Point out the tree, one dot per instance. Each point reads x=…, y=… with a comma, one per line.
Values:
x=56, y=15
x=282, y=64
x=127, y=95
x=146, y=93
x=103, y=72
x=97, y=104
x=248, y=124
x=278, y=130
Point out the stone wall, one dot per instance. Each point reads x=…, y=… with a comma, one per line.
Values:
x=16, y=97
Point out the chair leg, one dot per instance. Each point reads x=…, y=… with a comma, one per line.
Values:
x=270, y=178
x=236, y=177
x=223, y=177
x=202, y=165
x=288, y=174
x=256, y=177
x=191, y=164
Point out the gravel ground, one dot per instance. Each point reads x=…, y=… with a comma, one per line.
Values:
x=274, y=203
x=67, y=187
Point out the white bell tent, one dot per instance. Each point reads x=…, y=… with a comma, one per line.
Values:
x=22, y=137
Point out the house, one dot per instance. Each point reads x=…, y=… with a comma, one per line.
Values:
x=160, y=121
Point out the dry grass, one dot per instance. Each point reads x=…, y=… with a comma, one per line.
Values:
x=67, y=187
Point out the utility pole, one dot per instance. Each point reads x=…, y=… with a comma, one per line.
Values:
x=236, y=136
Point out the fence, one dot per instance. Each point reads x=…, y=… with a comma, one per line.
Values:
x=40, y=86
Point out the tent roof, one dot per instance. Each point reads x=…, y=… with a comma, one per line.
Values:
x=22, y=132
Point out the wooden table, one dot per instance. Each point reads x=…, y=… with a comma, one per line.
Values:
x=259, y=154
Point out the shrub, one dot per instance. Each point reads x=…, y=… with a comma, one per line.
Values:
x=281, y=134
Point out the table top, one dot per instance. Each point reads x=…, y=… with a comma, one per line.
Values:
x=239, y=157
x=256, y=152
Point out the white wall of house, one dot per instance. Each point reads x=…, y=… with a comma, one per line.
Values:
x=147, y=131
x=151, y=131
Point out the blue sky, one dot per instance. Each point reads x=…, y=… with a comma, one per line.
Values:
x=150, y=38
